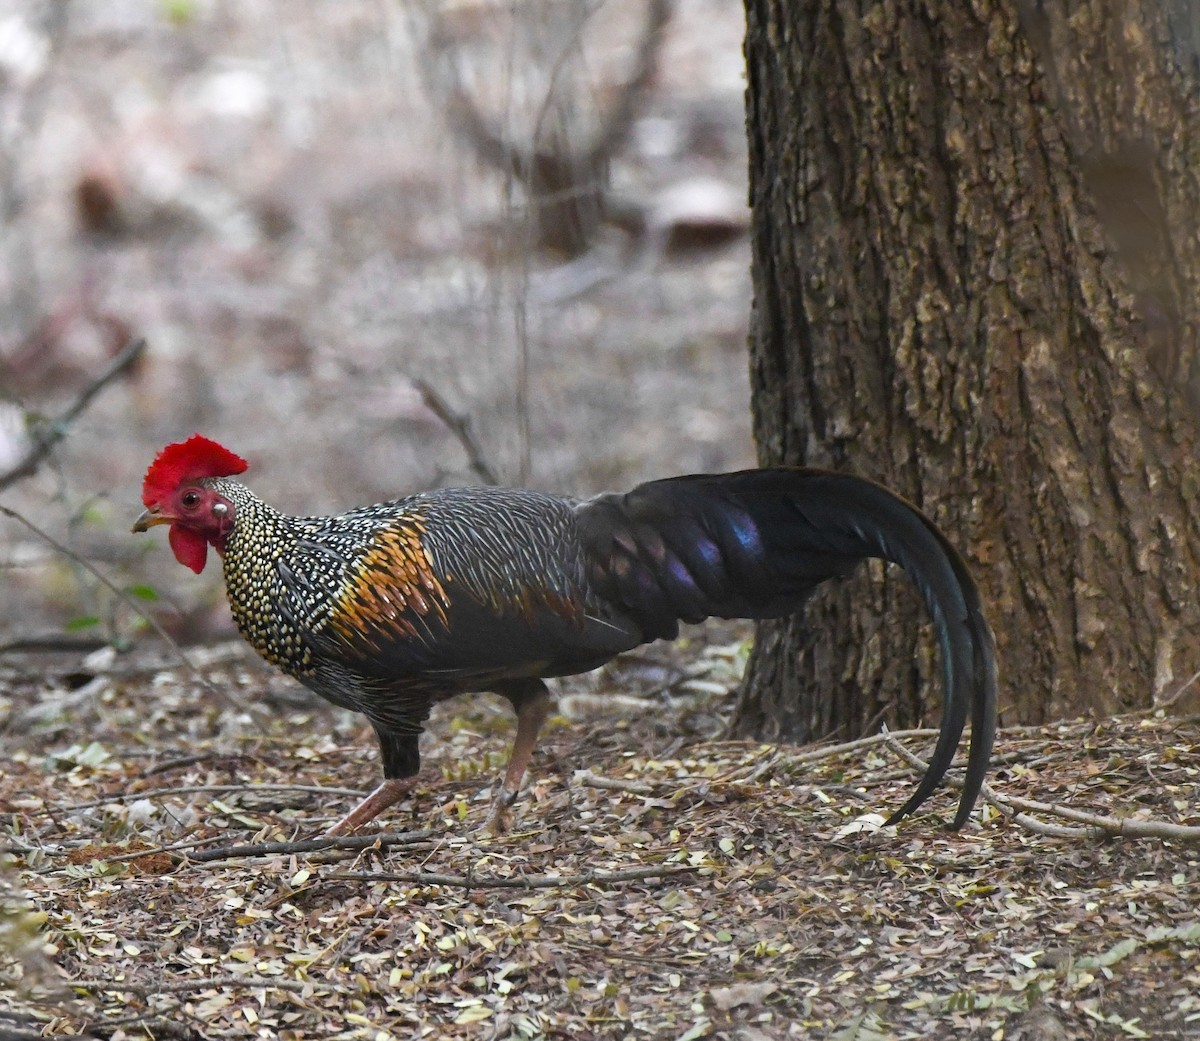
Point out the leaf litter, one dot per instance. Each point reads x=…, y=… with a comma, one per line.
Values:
x=659, y=882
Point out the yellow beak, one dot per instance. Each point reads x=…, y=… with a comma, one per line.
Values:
x=148, y=519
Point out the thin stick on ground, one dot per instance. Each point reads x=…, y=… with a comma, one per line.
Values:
x=824, y=751
x=615, y=784
x=182, y=986
x=471, y=881
x=202, y=789
x=1095, y=825
x=354, y=843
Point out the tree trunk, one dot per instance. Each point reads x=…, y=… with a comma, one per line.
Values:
x=977, y=280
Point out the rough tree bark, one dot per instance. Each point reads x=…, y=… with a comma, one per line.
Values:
x=977, y=279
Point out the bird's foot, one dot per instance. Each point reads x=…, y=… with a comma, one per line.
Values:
x=499, y=818
x=391, y=791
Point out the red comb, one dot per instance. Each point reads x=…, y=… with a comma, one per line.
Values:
x=188, y=461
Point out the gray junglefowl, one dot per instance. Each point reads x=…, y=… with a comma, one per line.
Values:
x=390, y=608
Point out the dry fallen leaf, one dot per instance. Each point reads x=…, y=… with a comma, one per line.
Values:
x=740, y=994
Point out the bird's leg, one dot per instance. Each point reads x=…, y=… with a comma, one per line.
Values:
x=401, y=762
x=531, y=701
x=391, y=791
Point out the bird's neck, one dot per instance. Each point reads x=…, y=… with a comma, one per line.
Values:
x=260, y=541
x=258, y=531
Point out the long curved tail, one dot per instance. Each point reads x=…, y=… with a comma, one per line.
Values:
x=755, y=544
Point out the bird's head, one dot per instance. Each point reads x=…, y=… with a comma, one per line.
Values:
x=176, y=491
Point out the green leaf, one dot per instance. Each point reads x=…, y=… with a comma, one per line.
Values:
x=141, y=592
x=86, y=621
x=179, y=12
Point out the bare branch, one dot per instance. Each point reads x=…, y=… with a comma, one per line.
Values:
x=1098, y=825
x=565, y=185
x=46, y=435
x=202, y=789
x=887, y=737
x=460, y=426
x=137, y=608
x=824, y=751
x=619, y=122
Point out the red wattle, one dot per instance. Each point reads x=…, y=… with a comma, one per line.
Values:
x=189, y=547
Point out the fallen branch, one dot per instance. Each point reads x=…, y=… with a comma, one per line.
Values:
x=179, y=763
x=349, y=842
x=777, y=758
x=96, y=986
x=824, y=751
x=158, y=1026
x=771, y=758
x=151, y=851
x=1096, y=826
x=615, y=784
x=472, y=881
x=44, y=436
x=199, y=789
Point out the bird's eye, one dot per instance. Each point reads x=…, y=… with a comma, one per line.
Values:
x=190, y=499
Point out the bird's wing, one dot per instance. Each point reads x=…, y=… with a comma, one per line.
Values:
x=468, y=587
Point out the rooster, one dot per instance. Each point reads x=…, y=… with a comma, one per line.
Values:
x=390, y=608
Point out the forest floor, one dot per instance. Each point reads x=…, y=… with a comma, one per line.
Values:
x=659, y=882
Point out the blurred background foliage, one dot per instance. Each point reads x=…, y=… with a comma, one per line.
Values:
x=316, y=215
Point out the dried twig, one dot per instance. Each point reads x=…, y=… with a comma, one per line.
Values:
x=182, y=986
x=1098, y=825
x=1095, y=825
x=347, y=842
x=771, y=758
x=184, y=1027
x=471, y=881
x=777, y=758
x=615, y=784
x=460, y=426
x=886, y=736
x=201, y=789
x=825, y=751
x=46, y=435
x=179, y=763
x=131, y=603
x=151, y=851
x=52, y=643
x=565, y=183
x=1179, y=693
